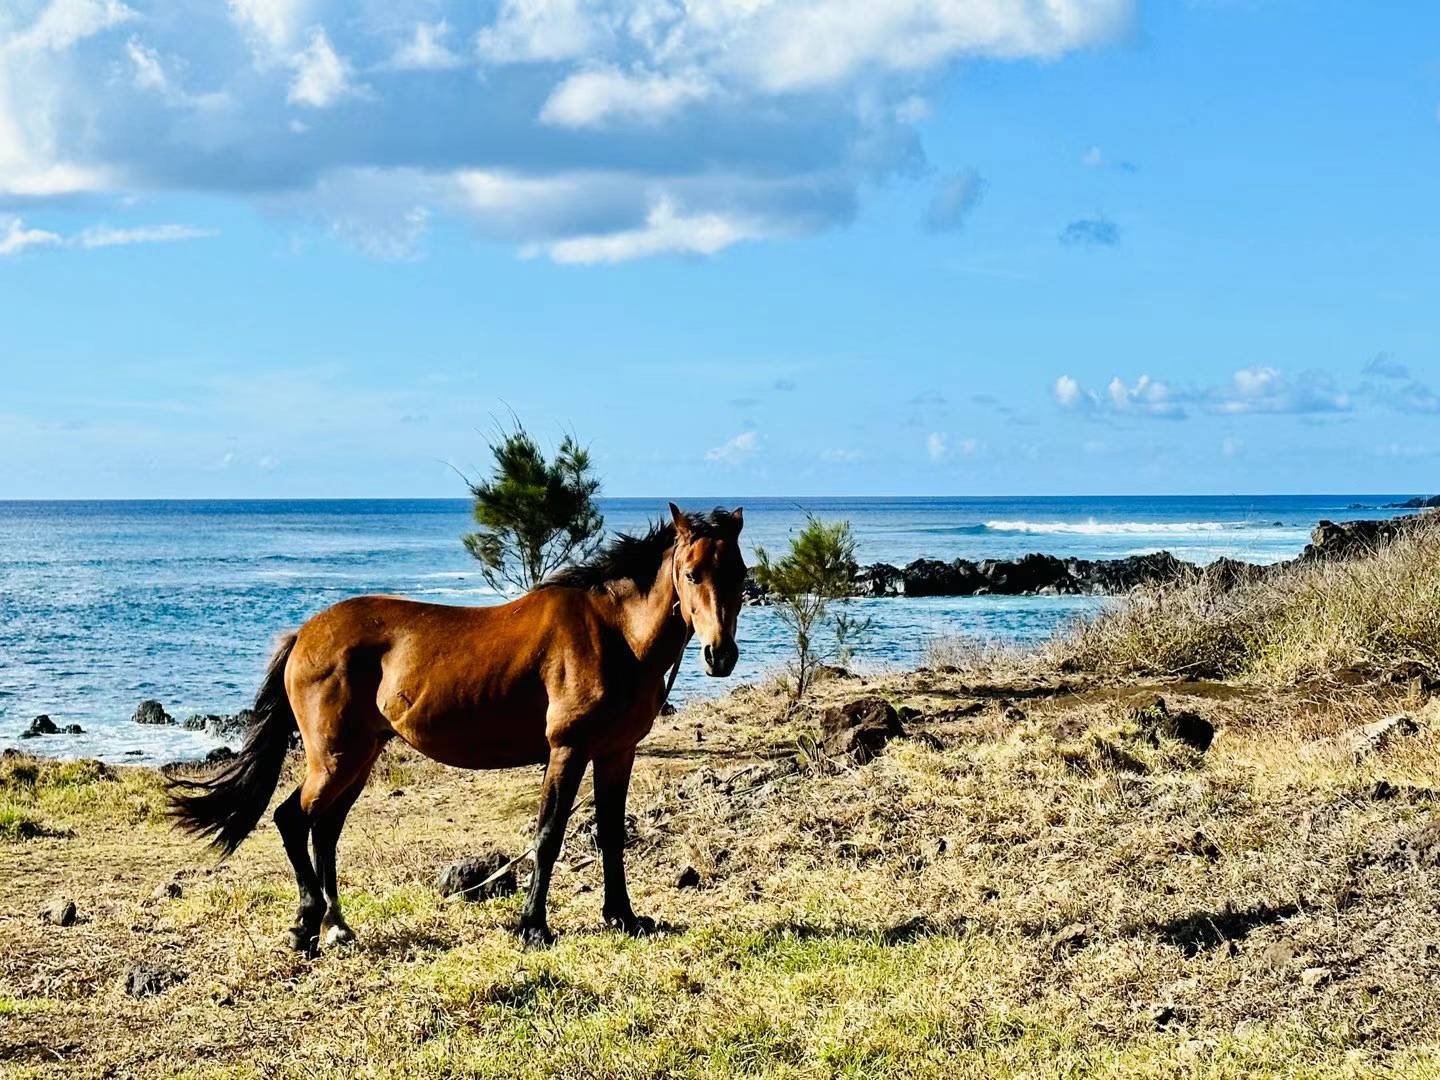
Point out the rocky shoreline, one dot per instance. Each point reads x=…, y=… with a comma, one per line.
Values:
x=1049, y=575
x=1030, y=575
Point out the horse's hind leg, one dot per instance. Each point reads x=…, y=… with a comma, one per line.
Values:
x=330, y=772
x=325, y=836
x=294, y=828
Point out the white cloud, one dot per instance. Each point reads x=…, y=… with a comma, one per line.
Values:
x=591, y=98
x=1146, y=395
x=1267, y=390
x=530, y=30
x=150, y=74
x=62, y=23
x=937, y=446
x=843, y=455
x=1093, y=157
x=736, y=449
x=667, y=231
x=322, y=76
x=1260, y=389
x=30, y=94
x=1231, y=447
x=426, y=50
x=15, y=237
x=1068, y=392
x=743, y=118
x=103, y=236
x=273, y=24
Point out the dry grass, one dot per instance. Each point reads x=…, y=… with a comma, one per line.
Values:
x=1046, y=893
x=1374, y=617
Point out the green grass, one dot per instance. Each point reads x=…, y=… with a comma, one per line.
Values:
x=19, y=823
x=40, y=796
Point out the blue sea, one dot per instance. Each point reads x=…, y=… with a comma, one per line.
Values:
x=103, y=604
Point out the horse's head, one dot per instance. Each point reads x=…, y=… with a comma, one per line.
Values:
x=709, y=579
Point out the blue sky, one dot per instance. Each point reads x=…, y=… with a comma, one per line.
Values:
x=301, y=248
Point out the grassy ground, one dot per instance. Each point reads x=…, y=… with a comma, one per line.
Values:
x=1342, y=621
x=1040, y=890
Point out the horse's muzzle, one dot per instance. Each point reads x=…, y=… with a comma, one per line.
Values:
x=720, y=659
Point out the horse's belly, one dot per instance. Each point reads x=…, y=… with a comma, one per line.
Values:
x=477, y=742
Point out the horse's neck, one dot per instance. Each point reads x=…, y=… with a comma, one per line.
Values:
x=654, y=631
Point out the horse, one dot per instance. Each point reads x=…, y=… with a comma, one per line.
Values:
x=571, y=673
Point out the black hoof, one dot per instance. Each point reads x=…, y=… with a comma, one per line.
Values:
x=304, y=940
x=536, y=937
x=636, y=926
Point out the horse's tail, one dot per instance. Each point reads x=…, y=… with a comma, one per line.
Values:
x=228, y=805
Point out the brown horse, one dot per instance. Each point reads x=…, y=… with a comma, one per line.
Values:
x=571, y=673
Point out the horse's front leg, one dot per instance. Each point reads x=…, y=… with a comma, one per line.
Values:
x=557, y=798
x=612, y=785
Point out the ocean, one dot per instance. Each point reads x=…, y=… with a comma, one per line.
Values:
x=103, y=604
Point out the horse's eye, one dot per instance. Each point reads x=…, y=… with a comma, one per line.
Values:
x=691, y=578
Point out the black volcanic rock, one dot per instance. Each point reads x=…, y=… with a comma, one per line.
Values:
x=878, y=579
x=1347, y=539
x=151, y=712
x=41, y=725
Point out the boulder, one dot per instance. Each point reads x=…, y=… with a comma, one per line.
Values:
x=1029, y=574
x=470, y=878
x=59, y=912
x=41, y=725
x=878, y=579
x=860, y=729
x=219, y=755
x=151, y=712
x=932, y=577
x=1419, y=503
x=1347, y=539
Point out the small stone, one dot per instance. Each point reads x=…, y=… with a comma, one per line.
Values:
x=143, y=981
x=72, y=729
x=219, y=755
x=1278, y=954
x=60, y=912
x=1070, y=937
x=689, y=878
x=1315, y=977
x=169, y=890
x=1014, y=714
x=469, y=878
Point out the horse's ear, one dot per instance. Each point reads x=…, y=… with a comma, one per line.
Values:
x=738, y=516
x=682, y=523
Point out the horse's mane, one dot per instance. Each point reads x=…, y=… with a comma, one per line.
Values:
x=635, y=558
